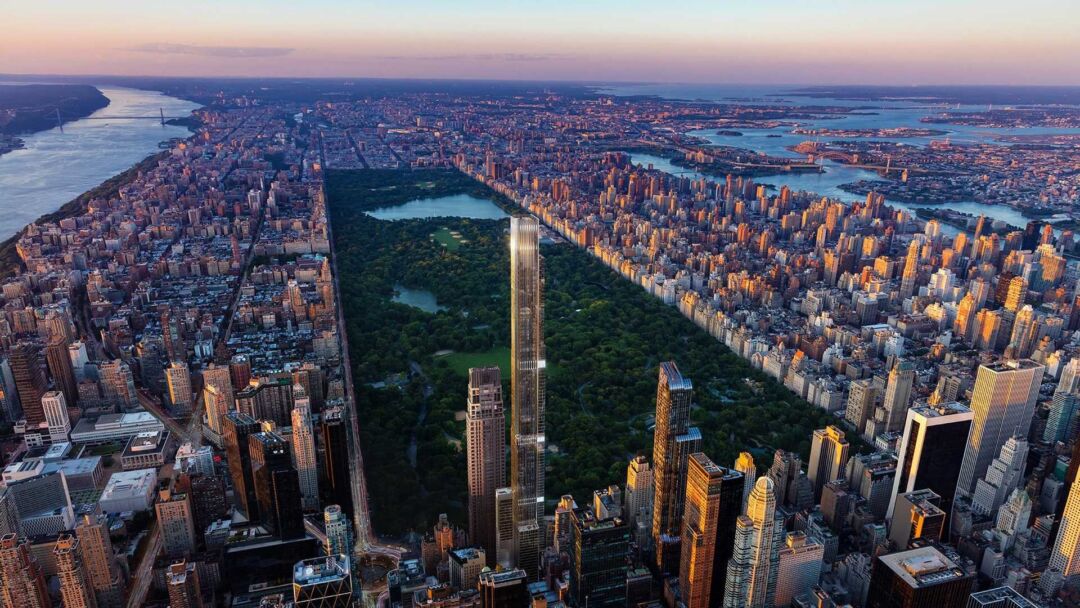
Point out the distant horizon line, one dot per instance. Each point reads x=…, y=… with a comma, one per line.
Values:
x=20, y=75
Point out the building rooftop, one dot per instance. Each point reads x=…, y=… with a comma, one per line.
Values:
x=124, y=484
x=945, y=409
x=1008, y=595
x=504, y=577
x=320, y=570
x=1012, y=365
x=146, y=443
x=465, y=554
x=923, y=567
x=76, y=466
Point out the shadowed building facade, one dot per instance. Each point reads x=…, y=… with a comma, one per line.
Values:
x=485, y=438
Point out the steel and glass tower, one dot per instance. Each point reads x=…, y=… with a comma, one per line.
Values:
x=527, y=391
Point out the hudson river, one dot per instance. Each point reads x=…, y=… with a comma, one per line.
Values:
x=56, y=167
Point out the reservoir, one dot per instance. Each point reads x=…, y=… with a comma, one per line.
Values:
x=56, y=166
x=417, y=298
x=455, y=205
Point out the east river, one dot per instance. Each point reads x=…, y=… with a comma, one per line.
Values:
x=872, y=115
x=56, y=166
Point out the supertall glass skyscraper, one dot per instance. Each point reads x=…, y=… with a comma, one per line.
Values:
x=673, y=442
x=527, y=388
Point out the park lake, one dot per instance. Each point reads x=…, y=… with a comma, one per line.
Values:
x=455, y=205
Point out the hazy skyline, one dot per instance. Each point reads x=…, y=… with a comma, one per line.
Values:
x=769, y=42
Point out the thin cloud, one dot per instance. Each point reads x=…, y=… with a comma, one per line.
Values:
x=523, y=57
x=162, y=48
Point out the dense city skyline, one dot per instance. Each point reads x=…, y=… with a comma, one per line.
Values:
x=512, y=305
x=777, y=42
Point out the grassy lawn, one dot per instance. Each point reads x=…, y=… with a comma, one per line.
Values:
x=461, y=362
x=444, y=237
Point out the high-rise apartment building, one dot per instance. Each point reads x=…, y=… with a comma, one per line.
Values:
x=932, y=451
x=1004, y=474
x=177, y=523
x=75, y=590
x=713, y=506
x=118, y=384
x=527, y=387
x=504, y=527
x=965, y=317
x=216, y=403
x=30, y=383
x=63, y=372
x=1065, y=557
x=208, y=501
x=562, y=533
x=485, y=445
x=673, y=442
x=917, y=515
x=54, y=406
x=829, y=452
x=268, y=398
x=638, y=500
x=240, y=372
x=754, y=565
x=466, y=564
x=745, y=465
x=217, y=396
x=800, y=562
x=303, y=443
x=897, y=396
x=1063, y=410
x=911, y=270
x=863, y=399
x=338, y=533
x=182, y=581
x=791, y=486
x=1003, y=402
x=1025, y=332
x=22, y=581
x=178, y=383
x=103, y=574
x=1017, y=293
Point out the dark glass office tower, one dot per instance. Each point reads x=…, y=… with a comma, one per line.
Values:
x=598, y=560
x=277, y=485
x=237, y=428
x=336, y=459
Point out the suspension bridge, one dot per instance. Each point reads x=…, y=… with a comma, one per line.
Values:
x=160, y=116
